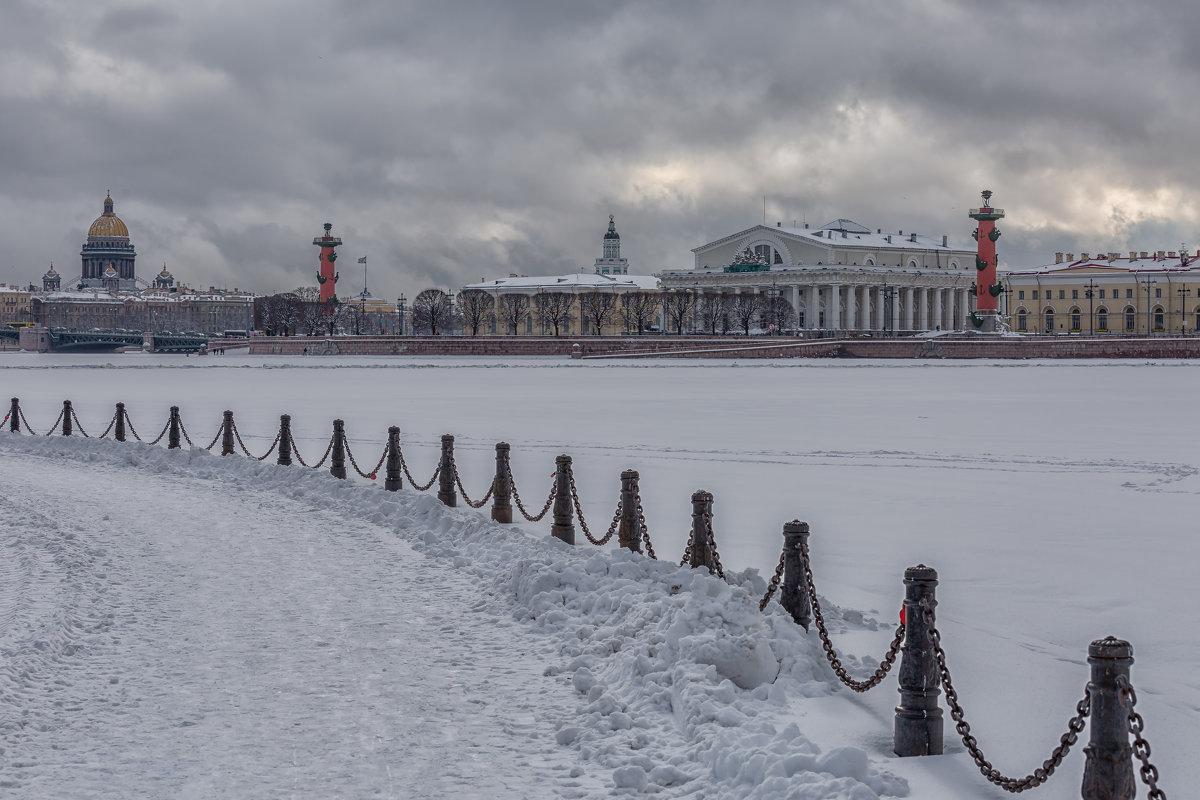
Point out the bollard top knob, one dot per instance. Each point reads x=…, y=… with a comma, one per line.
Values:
x=700, y=496
x=1110, y=647
x=563, y=459
x=629, y=475
x=285, y=416
x=920, y=573
x=447, y=437
x=394, y=430
x=120, y=405
x=794, y=527
x=502, y=446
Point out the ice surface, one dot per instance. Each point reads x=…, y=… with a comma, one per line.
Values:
x=1057, y=501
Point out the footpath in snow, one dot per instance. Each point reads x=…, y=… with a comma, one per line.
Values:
x=175, y=624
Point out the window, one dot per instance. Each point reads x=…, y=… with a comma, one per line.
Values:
x=1158, y=319
x=1075, y=319
x=1158, y=292
x=1021, y=295
x=1101, y=294
x=1023, y=320
x=1129, y=319
x=1102, y=320
x=1049, y=320
x=1035, y=291
x=1128, y=293
x=1062, y=294
x=1074, y=294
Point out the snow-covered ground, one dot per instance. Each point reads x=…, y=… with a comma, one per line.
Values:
x=175, y=624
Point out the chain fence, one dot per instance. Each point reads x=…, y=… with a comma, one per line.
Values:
x=481, y=502
x=1141, y=748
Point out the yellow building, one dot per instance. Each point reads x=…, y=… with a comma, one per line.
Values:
x=1107, y=293
x=587, y=304
x=14, y=304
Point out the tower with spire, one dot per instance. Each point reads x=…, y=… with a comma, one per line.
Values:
x=107, y=246
x=611, y=262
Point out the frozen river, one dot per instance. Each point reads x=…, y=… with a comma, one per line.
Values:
x=1058, y=500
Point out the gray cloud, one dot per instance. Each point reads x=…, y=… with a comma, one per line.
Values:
x=460, y=140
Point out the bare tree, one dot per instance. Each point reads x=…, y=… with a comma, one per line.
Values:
x=713, y=310
x=553, y=310
x=598, y=309
x=744, y=309
x=476, y=307
x=431, y=311
x=354, y=316
x=514, y=308
x=779, y=313
x=678, y=304
x=637, y=310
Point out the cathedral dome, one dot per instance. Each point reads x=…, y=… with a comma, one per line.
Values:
x=108, y=223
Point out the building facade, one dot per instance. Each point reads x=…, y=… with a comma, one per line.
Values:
x=14, y=304
x=179, y=310
x=841, y=276
x=578, y=304
x=610, y=261
x=1109, y=293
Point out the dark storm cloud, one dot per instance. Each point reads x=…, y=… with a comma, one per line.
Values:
x=460, y=140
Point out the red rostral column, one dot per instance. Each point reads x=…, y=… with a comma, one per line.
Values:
x=327, y=278
x=987, y=288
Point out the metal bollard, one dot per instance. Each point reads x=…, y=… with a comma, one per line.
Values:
x=227, y=434
x=446, y=476
x=793, y=594
x=120, y=429
x=337, y=462
x=1108, y=765
x=14, y=416
x=173, y=435
x=502, y=496
x=629, y=534
x=391, y=477
x=701, y=511
x=285, y=440
x=66, y=418
x=918, y=730
x=564, y=509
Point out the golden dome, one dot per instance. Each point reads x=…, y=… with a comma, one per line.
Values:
x=108, y=223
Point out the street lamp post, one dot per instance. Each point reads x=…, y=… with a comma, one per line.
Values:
x=773, y=308
x=1146, y=284
x=401, y=308
x=1089, y=293
x=1184, y=292
x=889, y=292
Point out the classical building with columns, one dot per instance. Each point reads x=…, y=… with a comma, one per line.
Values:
x=842, y=276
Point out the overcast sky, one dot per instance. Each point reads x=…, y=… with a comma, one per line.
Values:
x=453, y=141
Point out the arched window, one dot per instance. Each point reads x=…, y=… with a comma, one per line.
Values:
x=1023, y=320
x=1049, y=313
x=1197, y=326
x=1158, y=318
x=1129, y=319
x=870, y=262
x=768, y=254
x=1075, y=319
x=1102, y=319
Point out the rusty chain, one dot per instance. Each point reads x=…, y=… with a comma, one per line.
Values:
x=1141, y=748
x=75, y=417
x=712, y=544
x=161, y=433
x=404, y=466
x=836, y=663
x=458, y=480
x=1015, y=785
x=612, y=529
x=56, y=422
x=213, y=443
x=133, y=430
x=687, y=551
x=512, y=485
x=368, y=475
x=245, y=450
x=183, y=430
x=111, y=423
x=774, y=585
x=324, y=458
x=6, y=416
x=641, y=516
x=28, y=427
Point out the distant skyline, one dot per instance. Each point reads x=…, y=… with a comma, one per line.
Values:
x=461, y=141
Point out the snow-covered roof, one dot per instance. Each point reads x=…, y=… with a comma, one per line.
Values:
x=1102, y=264
x=847, y=233
x=579, y=281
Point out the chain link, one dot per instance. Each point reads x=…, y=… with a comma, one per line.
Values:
x=512, y=485
x=133, y=430
x=75, y=417
x=111, y=423
x=213, y=443
x=6, y=416
x=1141, y=748
x=296, y=452
x=612, y=529
x=56, y=422
x=404, y=466
x=368, y=475
x=885, y=665
x=28, y=427
x=183, y=430
x=458, y=480
x=774, y=585
x=242, y=444
x=325, y=457
x=1036, y=778
x=641, y=515
x=161, y=433
x=712, y=544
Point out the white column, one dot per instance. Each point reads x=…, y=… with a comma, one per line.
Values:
x=964, y=307
x=938, y=309
x=922, y=309
x=812, y=311
x=864, y=308
x=834, y=316
x=851, y=311
x=796, y=298
x=910, y=324
x=879, y=308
